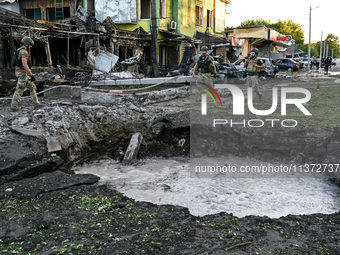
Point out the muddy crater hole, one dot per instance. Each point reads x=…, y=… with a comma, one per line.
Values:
x=167, y=180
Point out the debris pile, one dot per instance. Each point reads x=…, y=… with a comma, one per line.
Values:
x=76, y=44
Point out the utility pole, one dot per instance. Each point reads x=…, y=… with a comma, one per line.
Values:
x=321, y=48
x=154, y=33
x=310, y=28
x=310, y=31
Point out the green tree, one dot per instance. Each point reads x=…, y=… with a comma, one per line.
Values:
x=253, y=22
x=333, y=43
x=290, y=27
x=314, y=51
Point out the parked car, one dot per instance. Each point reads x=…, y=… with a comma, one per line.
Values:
x=288, y=64
x=226, y=69
x=304, y=61
x=269, y=71
x=334, y=61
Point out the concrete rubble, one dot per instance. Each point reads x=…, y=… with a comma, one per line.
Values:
x=133, y=148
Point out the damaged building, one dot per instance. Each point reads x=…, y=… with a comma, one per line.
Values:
x=67, y=32
x=182, y=26
x=67, y=43
x=265, y=39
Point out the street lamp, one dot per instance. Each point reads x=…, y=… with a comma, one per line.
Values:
x=310, y=32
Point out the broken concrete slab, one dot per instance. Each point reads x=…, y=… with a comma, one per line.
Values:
x=53, y=123
x=64, y=92
x=137, y=109
x=133, y=148
x=162, y=95
x=106, y=98
x=22, y=121
x=140, y=98
x=31, y=132
x=53, y=144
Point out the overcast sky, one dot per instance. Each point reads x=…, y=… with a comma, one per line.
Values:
x=326, y=18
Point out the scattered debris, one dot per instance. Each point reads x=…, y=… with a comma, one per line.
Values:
x=133, y=149
x=53, y=144
x=102, y=60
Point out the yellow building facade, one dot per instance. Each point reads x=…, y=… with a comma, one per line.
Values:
x=177, y=22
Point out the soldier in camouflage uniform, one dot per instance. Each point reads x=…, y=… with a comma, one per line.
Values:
x=253, y=65
x=328, y=64
x=24, y=75
x=205, y=65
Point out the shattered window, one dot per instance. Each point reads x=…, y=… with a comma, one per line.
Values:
x=33, y=13
x=199, y=16
x=210, y=19
x=51, y=13
x=145, y=9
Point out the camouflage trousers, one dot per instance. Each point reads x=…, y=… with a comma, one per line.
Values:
x=23, y=82
x=204, y=78
x=253, y=81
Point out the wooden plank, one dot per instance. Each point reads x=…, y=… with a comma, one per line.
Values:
x=51, y=23
x=68, y=48
x=48, y=54
x=19, y=26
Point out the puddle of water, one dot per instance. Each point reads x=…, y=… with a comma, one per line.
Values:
x=168, y=181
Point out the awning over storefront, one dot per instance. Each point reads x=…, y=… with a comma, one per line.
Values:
x=225, y=1
x=177, y=37
x=209, y=39
x=259, y=41
x=250, y=32
x=287, y=52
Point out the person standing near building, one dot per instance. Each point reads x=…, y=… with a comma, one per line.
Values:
x=205, y=66
x=253, y=66
x=24, y=74
x=328, y=64
x=317, y=64
x=313, y=62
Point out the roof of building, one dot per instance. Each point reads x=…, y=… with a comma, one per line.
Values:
x=225, y=1
x=13, y=18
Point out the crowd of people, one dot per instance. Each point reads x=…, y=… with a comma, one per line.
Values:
x=326, y=63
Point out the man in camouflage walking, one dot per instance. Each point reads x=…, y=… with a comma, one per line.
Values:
x=205, y=65
x=24, y=74
x=253, y=66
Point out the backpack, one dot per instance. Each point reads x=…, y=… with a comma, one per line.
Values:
x=15, y=59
